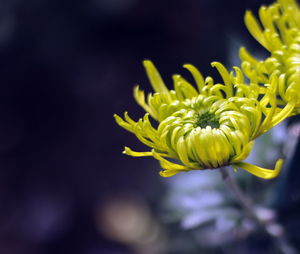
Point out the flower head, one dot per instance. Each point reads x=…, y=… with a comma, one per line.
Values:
x=279, y=32
x=210, y=126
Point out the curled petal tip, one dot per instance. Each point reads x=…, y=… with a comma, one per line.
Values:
x=213, y=63
x=186, y=65
x=168, y=173
x=129, y=152
x=147, y=61
x=126, y=150
x=248, y=12
x=163, y=173
x=261, y=172
x=118, y=119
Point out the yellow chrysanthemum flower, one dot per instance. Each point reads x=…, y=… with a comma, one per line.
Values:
x=279, y=33
x=209, y=127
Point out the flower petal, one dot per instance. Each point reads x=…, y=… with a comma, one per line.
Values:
x=261, y=172
x=129, y=152
x=154, y=77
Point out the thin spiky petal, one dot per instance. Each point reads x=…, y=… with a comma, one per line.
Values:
x=259, y=171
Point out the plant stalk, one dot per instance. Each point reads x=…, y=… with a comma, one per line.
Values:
x=279, y=237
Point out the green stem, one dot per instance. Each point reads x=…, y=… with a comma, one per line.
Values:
x=266, y=226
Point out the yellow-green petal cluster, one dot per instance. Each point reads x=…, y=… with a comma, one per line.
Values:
x=279, y=32
x=211, y=125
x=205, y=125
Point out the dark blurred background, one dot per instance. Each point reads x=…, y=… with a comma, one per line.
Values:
x=65, y=68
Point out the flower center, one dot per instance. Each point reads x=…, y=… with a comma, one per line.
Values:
x=207, y=119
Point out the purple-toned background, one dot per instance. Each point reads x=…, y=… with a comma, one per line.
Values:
x=65, y=68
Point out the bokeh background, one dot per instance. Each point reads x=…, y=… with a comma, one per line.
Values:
x=65, y=68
